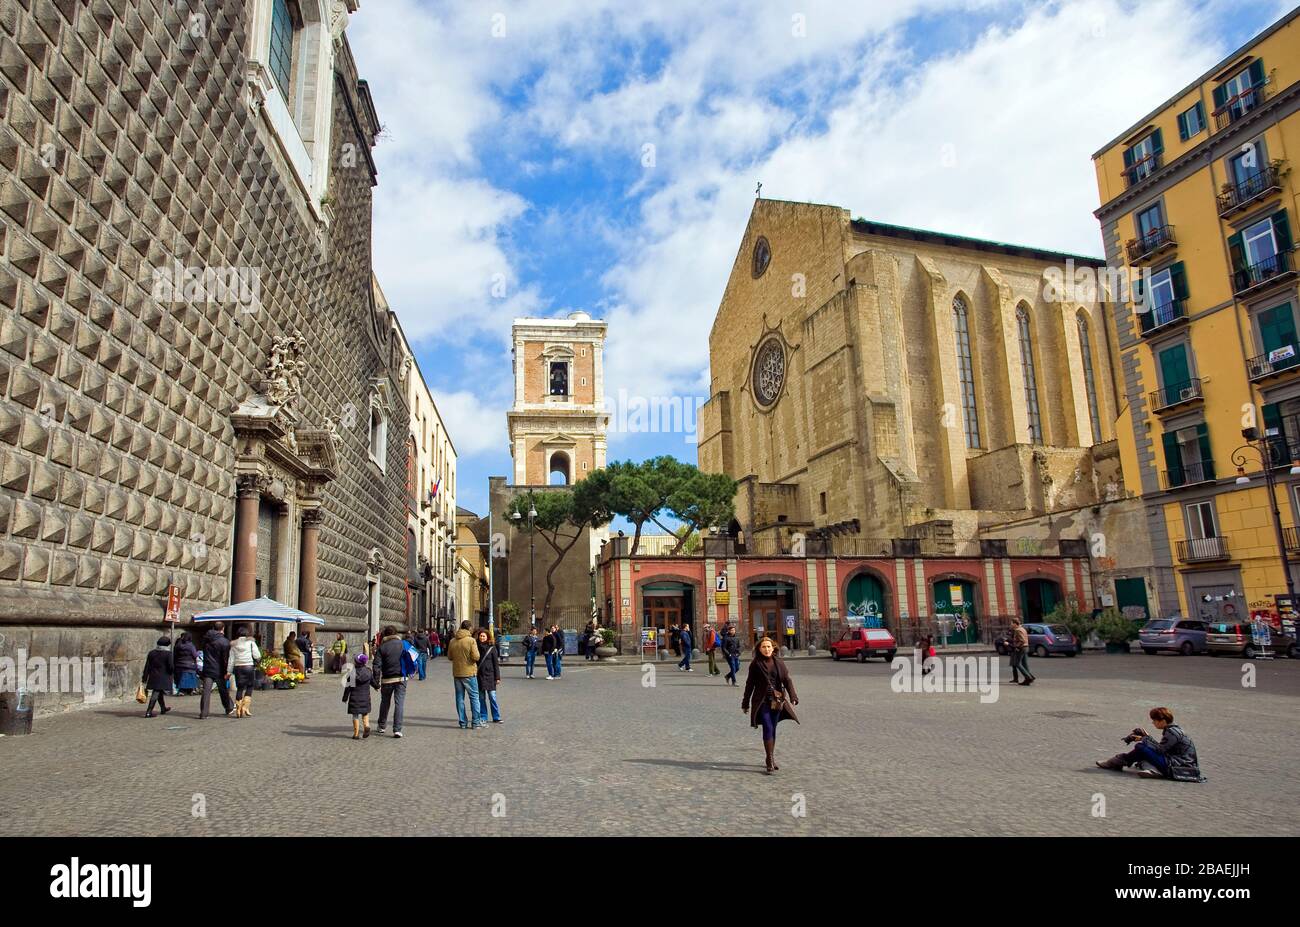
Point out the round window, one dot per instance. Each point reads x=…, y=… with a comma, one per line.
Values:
x=769, y=372
x=762, y=256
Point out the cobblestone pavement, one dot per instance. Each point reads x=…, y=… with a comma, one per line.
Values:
x=599, y=753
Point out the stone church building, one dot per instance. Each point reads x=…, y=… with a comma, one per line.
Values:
x=197, y=388
x=872, y=382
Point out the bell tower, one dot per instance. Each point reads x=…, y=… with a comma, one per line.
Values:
x=558, y=422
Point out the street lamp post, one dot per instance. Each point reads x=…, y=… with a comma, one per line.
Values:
x=532, y=601
x=1260, y=447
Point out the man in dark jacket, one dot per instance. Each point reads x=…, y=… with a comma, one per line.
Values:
x=548, y=651
x=388, y=664
x=158, y=675
x=559, y=651
x=1173, y=756
x=687, y=644
x=422, y=648
x=731, y=650
x=216, y=653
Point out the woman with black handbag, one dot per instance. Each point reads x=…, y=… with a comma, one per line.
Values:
x=769, y=697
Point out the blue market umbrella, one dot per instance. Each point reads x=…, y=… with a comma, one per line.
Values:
x=263, y=609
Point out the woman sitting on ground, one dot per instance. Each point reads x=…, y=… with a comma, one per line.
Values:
x=1173, y=756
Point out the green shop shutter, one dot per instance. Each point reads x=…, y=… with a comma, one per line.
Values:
x=1203, y=440
x=1173, y=461
x=1282, y=230
x=1178, y=277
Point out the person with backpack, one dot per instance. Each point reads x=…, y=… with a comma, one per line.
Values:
x=216, y=654
x=158, y=675
x=532, y=644
x=731, y=650
x=392, y=679
x=710, y=649
x=356, y=695
x=688, y=644
x=489, y=676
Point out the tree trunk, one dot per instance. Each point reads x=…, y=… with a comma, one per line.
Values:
x=560, y=554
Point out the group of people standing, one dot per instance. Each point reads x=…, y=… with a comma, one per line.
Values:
x=550, y=645
x=476, y=674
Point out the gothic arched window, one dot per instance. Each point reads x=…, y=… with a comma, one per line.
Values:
x=1031, y=380
x=966, y=372
x=1089, y=378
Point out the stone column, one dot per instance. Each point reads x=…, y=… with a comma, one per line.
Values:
x=311, y=519
x=249, y=494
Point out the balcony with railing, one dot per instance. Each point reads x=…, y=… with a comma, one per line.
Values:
x=1258, y=186
x=1291, y=538
x=1139, y=171
x=1276, y=362
x=1174, y=395
x=1279, y=268
x=1189, y=474
x=1162, y=316
x=1156, y=241
x=1199, y=550
x=1240, y=105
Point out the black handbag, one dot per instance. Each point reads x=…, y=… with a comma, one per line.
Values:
x=775, y=695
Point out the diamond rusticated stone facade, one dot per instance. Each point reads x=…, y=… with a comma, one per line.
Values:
x=129, y=143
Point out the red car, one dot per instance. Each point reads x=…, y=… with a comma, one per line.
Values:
x=863, y=643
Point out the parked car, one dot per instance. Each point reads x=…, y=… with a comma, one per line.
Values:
x=1044, y=640
x=1179, y=635
x=863, y=643
x=1236, y=638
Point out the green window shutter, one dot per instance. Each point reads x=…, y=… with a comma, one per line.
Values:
x=1173, y=461
x=1157, y=141
x=1220, y=97
x=1174, y=371
x=1282, y=230
x=1277, y=442
x=1237, y=250
x=1178, y=277
x=1272, y=416
x=1183, y=133
x=1203, y=440
x=1128, y=157
x=1256, y=72
x=1200, y=111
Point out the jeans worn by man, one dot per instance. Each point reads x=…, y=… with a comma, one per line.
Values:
x=468, y=685
x=423, y=664
x=394, y=694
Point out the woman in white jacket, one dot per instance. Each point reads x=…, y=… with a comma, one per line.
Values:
x=244, y=656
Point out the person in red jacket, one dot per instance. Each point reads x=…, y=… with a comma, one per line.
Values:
x=710, y=649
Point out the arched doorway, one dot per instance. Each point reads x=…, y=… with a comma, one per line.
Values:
x=1037, y=598
x=772, y=608
x=954, y=599
x=865, y=602
x=559, y=470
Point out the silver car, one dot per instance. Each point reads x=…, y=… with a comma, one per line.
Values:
x=1176, y=635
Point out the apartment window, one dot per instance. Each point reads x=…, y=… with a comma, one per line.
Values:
x=1031, y=380
x=823, y=503
x=1200, y=520
x=1277, y=335
x=1191, y=122
x=378, y=437
x=1244, y=165
x=1160, y=295
x=1175, y=373
x=1142, y=159
x=1089, y=379
x=283, y=24
x=1241, y=93
x=1187, y=455
x=1149, y=221
x=1259, y=242
x=966, y=372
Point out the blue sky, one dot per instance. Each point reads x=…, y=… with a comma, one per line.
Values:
x=517, y=134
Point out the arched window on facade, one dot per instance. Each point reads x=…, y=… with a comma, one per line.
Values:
x=966, y=372
x=1089, y=378
x=1031, y=379
x=561, y=471
x=378, y=437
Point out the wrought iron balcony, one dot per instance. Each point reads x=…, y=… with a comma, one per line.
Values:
x=1263, y=366
x=1176, y=394
x=1259, y=185
x=1154, y=242
x=1291, y=536
x=1196, y=550
x=1141, y=170
x=1189, y=474
x=1275, y=269
x=1162, y=316
x=1240, y=105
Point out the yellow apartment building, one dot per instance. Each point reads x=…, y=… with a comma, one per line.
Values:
x=1199, y=200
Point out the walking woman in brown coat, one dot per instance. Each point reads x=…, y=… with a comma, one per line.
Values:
x=769, y=697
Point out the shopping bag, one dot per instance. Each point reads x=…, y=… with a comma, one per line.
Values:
x=140, y=695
